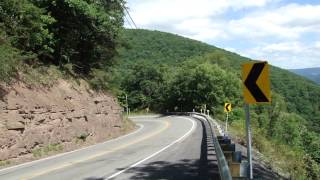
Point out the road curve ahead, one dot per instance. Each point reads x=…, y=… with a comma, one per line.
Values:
x=169, y=147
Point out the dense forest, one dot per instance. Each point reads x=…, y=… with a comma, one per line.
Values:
x=42, y=40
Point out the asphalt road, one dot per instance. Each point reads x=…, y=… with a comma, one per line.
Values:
x=170, y=147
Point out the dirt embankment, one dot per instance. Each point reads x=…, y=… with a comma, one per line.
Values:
x=37, y=122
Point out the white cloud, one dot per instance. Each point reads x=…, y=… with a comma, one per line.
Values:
x=317, y=45
x=201, y=29
x=286, y=22
x=165, y=11
x=290, y=55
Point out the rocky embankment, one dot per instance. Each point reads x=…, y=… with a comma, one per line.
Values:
x=68, y=115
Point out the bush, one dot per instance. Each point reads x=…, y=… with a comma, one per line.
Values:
x=9, y=60
x=43, y=151
x=41, y=75
x=100, y=80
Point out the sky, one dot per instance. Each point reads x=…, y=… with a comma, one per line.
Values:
x=284, y=33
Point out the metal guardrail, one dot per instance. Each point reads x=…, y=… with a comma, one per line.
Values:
x=222, y=162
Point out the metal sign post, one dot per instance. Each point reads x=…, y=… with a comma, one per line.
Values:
x=255, y=77
x=227, y=109
x=248, y=133
x=226, y=133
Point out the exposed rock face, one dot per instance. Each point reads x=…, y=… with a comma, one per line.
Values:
x=36, y=117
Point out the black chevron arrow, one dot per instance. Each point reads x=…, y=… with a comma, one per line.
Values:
x=227, y=107
x=251, y=84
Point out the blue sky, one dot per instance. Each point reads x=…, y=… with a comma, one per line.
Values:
x=285, y=33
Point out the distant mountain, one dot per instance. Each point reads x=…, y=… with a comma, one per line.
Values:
x=310, y=73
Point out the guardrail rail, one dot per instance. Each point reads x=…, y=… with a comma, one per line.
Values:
x=224, y=170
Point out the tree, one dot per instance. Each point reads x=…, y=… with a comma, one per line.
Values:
x=85, y=31
x=203, y=84
x=26, y=26
x=144, y=85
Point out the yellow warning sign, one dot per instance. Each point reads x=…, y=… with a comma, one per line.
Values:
x=227, y=107
x=256, y=82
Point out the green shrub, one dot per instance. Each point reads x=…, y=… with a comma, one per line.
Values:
x=83, y=136
x=100, y=80
x=4, y=162
x=41, y=75
x=9, y=60
x=43, y=151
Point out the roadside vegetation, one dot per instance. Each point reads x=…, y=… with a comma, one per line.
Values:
x=44, y=151
x=4, y=163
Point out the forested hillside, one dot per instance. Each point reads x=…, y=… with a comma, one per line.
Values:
x=165, y=72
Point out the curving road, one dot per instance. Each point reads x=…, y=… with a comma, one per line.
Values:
x=169, y=147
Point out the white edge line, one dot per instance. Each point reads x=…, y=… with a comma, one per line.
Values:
x=144, y=116
x=158, y=152
x=69, y=152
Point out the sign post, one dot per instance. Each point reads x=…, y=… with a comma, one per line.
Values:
x=248, y=134
x=127, y=105
x=256, y=90
x=227, y=109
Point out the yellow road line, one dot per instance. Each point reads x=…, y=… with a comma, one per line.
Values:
x=68, y=164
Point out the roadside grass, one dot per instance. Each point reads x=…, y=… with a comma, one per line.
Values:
x=43, y=151
x=127, y=124
x=283, y=159
x=4, y=163
x=41, y=75
x=141, y=112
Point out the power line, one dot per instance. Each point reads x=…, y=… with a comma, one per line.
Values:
x=131, y=19
x=128, y=22
x=126, y=9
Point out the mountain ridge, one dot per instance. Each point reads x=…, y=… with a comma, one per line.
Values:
x=309, y=73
